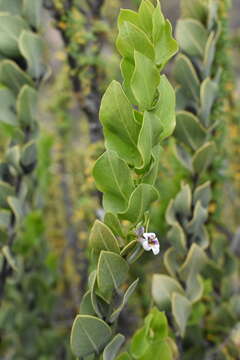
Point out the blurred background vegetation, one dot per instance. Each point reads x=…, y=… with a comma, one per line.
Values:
x=43, y=296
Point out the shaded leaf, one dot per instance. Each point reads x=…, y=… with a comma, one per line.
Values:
x=204, y=157
x=145, y=12
x=208, y=94
x=119, y=126
x=192, y=36
x=31, y=47
x=11, y=28
x=112, y=221
x=7, y=105
x=132, y=38
x=113, y=178
x=194, y=262
x=125, y=299
x=203, y=193
x=181, y=309
x=86, y=307
x=145, y=80
x=111, y=350
x=12, y=76
x=186, y=76
x=139, y=203
x=189, y=130
x=111, y=272
x=89, y=335
x=102, y=238
x=163, y=287
x=127, y=69
x=165, y=107
x=149, y=137
x=177, y=238
x=165, y=45
x=32, y=11
x=27, y=106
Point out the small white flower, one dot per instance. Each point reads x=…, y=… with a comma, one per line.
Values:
x=149, y=242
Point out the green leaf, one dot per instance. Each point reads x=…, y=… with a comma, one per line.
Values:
x=208, y=93
x=102, y=238
x=139, y=343
x=125, y=299
x=11, y=28
x=144, y=81
x=204, y=157
x=186, y=76
x=151, y=175
x=86, y=307
x=158, y=23
x=119, y=126
x=7, y=105
x=165, y=108
x=112, y=221
x=111, y=350
x=112, y=271
x=158, y=350
x=13, y=7
x=32, y=11
x=165, y=45
x=124, y=356
x=192, y=36
x=31, y=47
x=132, y=38
x=100, y=306
x=89, y=335
x=130, y=249
x=163, y=287
x=181, y=309
x=129, y=16
x=189, y=130
x=113, y=178
x=158, y=326
x=26, y=106
x=149, y=137
x=145, y=12
x=127, y=69
x=139, y=203
x=12, y=76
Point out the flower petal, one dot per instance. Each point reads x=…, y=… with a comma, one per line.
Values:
x=156, y=249
x=146, y=245
x=149, y=235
